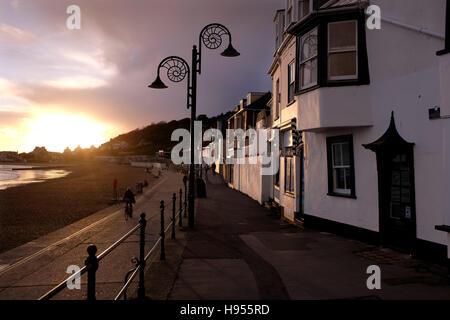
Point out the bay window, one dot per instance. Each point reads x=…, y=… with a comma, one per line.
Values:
x=333, y=53
x=342, y=50
x=308, y=59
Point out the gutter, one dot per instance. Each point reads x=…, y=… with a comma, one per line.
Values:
x=413, y=28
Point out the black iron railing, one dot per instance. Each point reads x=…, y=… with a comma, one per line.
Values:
x=92, y=261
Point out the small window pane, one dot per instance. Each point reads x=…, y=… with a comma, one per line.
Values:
x=337, y=156
x=303, y=8
x=309, y=45
x=405, y=178
x=343, y=64
x=291, y=72
x=395, y=194
x=340, y=178
x=348, y=184
x=345, y=154
x=406, y=195
x=395, y=178
x=309, y=73
x=342, y=35
x=396, y=211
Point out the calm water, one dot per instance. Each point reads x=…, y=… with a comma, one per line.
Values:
x=12, y=178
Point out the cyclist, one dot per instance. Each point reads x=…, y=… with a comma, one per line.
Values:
x=129, y=199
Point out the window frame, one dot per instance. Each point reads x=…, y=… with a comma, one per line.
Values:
x=332, y=191
x=300, y=7
x=277, y=99
x=291, y=189
x=330, y=52
x=289, y=16
x=291, y=82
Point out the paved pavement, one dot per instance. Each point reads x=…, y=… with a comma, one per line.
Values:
x=239, y=251
x=31, y=270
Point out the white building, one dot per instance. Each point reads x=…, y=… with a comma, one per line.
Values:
x=246, y=177
x=286, y=189
x=375, y=159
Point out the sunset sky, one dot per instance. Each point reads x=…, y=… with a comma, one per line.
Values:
x=61, y=87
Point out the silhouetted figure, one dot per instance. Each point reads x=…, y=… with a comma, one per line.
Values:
x=129, y=199
x=213, y=168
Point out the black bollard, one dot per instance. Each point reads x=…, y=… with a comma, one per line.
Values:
x=185, y=195
x=174, y=204
x=141, y=288
x=180, y=221
x=91, y=263
x=163, y=250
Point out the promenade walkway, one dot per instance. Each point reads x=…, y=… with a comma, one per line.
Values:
x=239, y=251
x=29, y=271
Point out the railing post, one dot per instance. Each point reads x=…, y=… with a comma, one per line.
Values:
x=91, y=263
x=180, y=221
x=141, y=288
x=185, y=178
x=163, y=250
x=174, y=204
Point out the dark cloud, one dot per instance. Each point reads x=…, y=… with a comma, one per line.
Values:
x=133, y=36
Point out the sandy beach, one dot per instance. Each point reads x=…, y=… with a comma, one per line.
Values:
x=30, y=211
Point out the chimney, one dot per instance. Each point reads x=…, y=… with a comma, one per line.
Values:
x=243, y=103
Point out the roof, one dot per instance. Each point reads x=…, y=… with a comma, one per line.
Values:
x=260, y=103
x=390, y=138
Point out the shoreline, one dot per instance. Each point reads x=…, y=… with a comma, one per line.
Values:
x=32, y=210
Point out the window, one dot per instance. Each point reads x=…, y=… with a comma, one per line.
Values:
x=341, y=177
x=289, y=14
x=342, y=50
x=289, y=175
x=277, y=99
x=291, y=81
x=279, y=29
x=308, y=59
x=303, y=9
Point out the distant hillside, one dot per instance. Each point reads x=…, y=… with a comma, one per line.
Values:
x=150, y=139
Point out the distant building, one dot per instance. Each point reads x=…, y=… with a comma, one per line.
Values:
x=120, y=145
x=9, y=156
x=247, y=178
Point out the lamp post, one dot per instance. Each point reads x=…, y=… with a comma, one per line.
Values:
x=177, y=68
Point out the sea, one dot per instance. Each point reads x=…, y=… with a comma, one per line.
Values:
x=17, y=175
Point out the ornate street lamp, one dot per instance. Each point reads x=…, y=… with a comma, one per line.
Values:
x=177, y=69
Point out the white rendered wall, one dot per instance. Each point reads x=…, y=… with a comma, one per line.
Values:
x=404, y=73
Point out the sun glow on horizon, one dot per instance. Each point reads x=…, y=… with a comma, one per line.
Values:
x=57, y=131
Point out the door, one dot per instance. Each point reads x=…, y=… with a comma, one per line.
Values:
x=301, y=194
x=397, y=220
x=396, y=191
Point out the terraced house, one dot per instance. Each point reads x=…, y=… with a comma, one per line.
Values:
x=372, y=107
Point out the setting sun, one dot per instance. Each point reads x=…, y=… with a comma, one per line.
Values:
x=58, y=131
